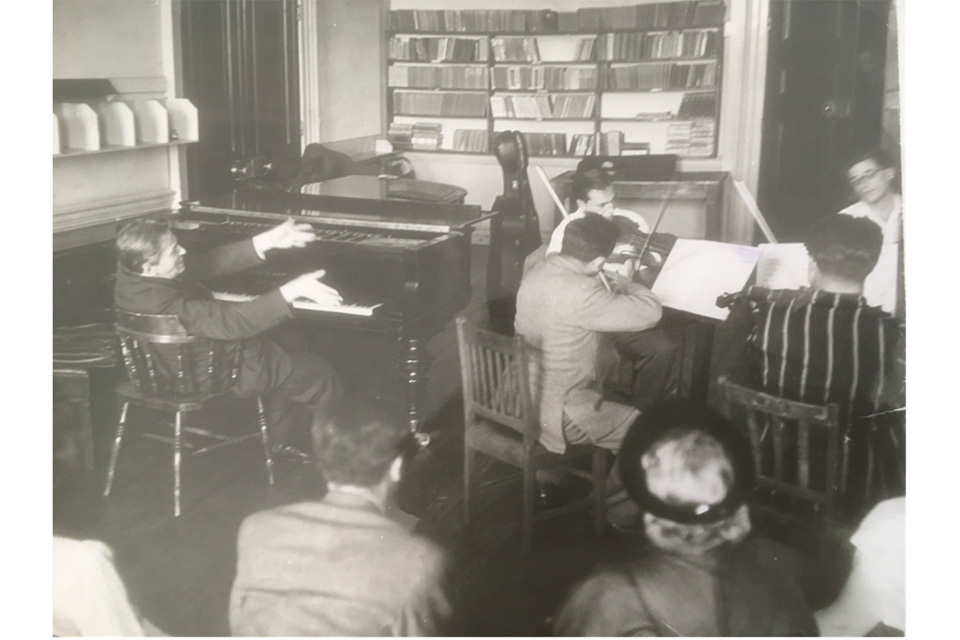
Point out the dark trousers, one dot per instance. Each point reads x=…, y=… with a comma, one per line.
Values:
x=650, y=366
x=296, y=385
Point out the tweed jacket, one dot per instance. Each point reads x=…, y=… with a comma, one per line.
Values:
x=565, y=315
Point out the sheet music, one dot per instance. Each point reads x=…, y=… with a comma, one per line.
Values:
x=784, y=266
x=697, y=272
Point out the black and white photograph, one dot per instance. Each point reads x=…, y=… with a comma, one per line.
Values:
x=492, y=318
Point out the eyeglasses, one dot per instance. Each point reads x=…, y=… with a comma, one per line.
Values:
x=863, y=177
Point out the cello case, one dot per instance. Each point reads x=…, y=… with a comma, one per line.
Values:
x=520, y=232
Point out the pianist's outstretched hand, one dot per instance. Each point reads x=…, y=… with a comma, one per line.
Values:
x=288, y=235
x=309, y=286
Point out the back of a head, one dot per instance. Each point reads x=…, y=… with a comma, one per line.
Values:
x=139, y=241
x=589, y=177
x=357, y=439
x=690, y=471
x=845, y=247
x=589, y=237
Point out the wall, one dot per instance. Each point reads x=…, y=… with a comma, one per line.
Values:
x=741, y=109
x=129, y=39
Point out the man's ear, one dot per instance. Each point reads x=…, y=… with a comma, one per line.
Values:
x=396, y=469
x=889, y=174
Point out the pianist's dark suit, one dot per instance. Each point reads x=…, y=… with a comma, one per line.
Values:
x=297, y=383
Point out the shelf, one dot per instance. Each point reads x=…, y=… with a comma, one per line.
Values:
x=543, y=91
x=452, y=63
x=590, y=119
x=685, y=90
x=542, y=63
x=444, y=89
x=447, y=116
x=74, y=153
x=535, y=34
x=676, y=59
x=663, y=121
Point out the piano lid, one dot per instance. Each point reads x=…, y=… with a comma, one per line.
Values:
x=343, y=210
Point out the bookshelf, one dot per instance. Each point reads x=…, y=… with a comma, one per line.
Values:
x=640, y=78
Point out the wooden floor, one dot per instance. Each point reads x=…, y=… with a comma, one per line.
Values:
x=179, y=571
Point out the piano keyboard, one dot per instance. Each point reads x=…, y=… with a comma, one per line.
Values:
x=346, y=308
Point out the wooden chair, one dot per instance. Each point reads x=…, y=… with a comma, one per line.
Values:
x=796, y=449
x=499, y=422
x=175, y=372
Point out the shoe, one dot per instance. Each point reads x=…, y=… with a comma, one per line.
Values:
x=290, y=453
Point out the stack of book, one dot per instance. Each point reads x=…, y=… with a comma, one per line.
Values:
x=546, y=144
x=574, y=105
x=691, y=138
x=646, y=76
x=686, y=75
x=431, y=103
x=436, y=77
x=513, y=20
x=659, y=15
x=438, y=49
x=699, y=44
x=698, y=105
x=473, y=140
x=537, y=107
x=514, y=49
x=583, y=144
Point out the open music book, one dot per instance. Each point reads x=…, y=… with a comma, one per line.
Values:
x=784, y=266
x=697, y=272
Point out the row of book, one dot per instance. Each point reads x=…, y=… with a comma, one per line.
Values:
x=651, y=76
x=571, y=106
x=439, y=77
x=471, y=140
x=420, y=135
x=659, y=15
x=439, y=49
x=691, y=138
x=432, y=103
x=701, y=104
x=700, y=43
x=526, y=49
x=545, y=78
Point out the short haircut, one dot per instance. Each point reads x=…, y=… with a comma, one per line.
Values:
x=877, y=155
x=589, y=179
x=140, y=241
x=845, y=247
x=357, y=439
x=589, y=237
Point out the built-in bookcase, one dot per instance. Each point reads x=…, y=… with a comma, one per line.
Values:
x=606, y=80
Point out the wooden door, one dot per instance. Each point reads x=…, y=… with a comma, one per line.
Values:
x=240, y=69
x=824, y=99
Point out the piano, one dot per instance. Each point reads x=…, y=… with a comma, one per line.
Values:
x=402, y=267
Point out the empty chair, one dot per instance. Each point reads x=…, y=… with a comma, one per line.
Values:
x=175, y=372
x=499, y=422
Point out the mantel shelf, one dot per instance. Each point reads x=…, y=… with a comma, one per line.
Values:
x=75, y=153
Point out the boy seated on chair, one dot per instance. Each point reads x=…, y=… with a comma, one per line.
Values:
x=157, y=276
x=826, y=344
x=341, y=566
x=691, y=473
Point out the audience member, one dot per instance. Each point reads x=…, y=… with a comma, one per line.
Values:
x=872, y=176
x=874, y=594
x=825, y=344
x=701, y=574
x=339, y=566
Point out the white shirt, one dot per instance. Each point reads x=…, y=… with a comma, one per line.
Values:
x=890, y=227
x=556, y=239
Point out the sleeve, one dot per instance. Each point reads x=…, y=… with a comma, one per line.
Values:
x=603, y=605
x=427, y=611
x=634, y=309
x=222, y=320
x=219, y=261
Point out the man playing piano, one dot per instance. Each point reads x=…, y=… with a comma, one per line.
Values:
x=155, y=275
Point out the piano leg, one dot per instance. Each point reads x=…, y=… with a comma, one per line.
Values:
x=415, y=362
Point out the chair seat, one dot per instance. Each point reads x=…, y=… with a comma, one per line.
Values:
x=192, y=402
x=506, y=445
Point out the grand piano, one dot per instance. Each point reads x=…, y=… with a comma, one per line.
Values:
x=402, y=266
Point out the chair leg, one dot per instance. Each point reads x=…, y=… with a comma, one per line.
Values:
x=177, y=441
x=529, y=497
x=262, y=415
x=599, y=490
x=115, y=452
x=468, y=456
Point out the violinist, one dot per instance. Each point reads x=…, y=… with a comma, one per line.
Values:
x=651, y=355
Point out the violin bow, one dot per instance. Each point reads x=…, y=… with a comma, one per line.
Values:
x=553, y=194
x=656, y=224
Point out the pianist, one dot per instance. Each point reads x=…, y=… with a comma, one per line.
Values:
x=155, y=275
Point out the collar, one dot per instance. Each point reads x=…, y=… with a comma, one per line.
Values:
x=568, y=264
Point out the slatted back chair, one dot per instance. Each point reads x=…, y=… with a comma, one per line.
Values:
x=170, y=370
x=796, y=450
x=499, y=422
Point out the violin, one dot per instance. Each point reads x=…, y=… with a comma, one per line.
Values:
x=653, y=247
